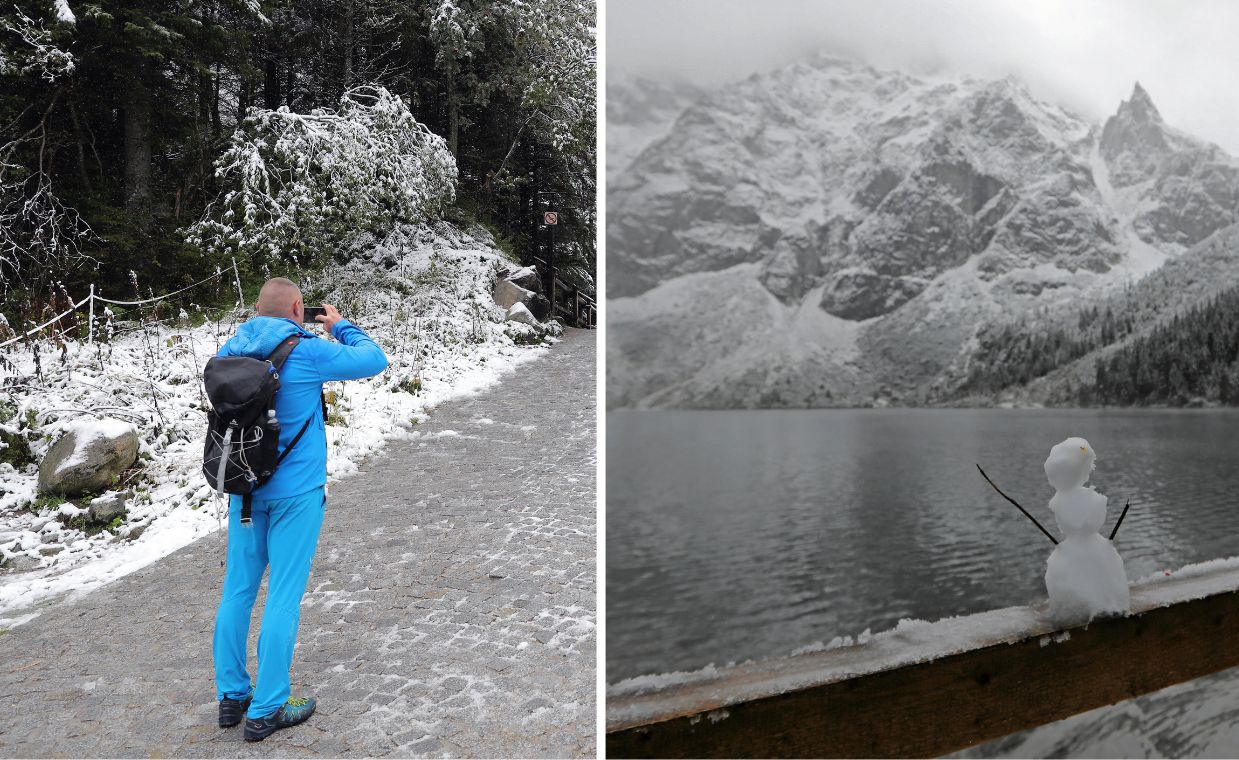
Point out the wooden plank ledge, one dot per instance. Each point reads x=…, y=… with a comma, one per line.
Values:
x=927, y=689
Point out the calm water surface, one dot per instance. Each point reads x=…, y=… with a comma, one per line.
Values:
x=748, y=534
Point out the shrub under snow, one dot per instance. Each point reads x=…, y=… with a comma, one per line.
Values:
x=302, y=185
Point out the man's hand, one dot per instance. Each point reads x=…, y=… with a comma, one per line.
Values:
x=329, y=317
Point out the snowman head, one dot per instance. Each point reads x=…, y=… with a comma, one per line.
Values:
x=1069, y=464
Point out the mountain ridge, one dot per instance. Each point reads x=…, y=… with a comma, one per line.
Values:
x=912, y=211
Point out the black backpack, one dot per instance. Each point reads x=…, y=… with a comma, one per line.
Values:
x=243, y=434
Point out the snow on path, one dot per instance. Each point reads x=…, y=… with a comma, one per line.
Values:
x=450, y=609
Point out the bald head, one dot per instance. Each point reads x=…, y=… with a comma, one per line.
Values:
x=280, y=297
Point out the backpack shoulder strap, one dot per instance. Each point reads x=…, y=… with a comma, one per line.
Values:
x=322, y=399
x=282, y=351
x=293, y=442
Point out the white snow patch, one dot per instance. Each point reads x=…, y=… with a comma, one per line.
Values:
x=86, y=432
x=64, y=12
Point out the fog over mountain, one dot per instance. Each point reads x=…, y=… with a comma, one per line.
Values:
x=1081, y=55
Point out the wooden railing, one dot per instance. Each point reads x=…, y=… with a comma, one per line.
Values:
x=576, y=306
x=935, y=688
x=569, y=301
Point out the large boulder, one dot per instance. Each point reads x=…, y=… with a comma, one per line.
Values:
x=539, y=306
x=507, y=293
x=524, y=287
x=88, y=458
x=526, y=277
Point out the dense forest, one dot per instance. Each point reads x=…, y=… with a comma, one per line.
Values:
x=129, y=132
x=1194, y=358
x=1190, y=357
x=1012, y=354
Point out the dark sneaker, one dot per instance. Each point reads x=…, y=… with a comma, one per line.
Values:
x=231, y=711
x=295, y=710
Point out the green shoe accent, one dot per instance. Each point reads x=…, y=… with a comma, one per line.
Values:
x=295, y=710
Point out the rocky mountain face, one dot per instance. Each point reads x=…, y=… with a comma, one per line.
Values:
x=639, y=111
x=882, y=219
x=1185, y=189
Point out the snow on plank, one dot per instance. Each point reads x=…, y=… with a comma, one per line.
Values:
x=925, y=689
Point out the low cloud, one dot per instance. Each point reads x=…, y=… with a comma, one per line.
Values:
x=1083, y=55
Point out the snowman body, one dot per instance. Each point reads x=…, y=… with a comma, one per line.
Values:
x=1084, y=576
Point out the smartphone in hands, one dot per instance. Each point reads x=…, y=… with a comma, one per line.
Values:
x=311, y=312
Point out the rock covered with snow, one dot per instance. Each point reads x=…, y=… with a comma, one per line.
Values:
x=89, y=457
x=520, y=313
x=525, y=277
x=1134, y=139
x=639, y=111
x=106, y=508
x=507, y=293
x=523, y=286
x=21, y=563
x=1084, y=576
x=861, y=293
x=829, y=164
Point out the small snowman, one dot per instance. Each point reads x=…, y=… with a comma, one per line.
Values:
x=1084, y=576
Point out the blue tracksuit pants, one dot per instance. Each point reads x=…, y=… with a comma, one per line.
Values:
x=284, y=534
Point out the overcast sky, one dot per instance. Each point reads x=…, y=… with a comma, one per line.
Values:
x=1084, y=55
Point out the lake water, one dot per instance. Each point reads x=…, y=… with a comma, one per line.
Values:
x=748, y=534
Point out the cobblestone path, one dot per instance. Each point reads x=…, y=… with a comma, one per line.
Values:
x=450, y=610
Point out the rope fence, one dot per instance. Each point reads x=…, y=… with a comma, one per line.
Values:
x=90, y=299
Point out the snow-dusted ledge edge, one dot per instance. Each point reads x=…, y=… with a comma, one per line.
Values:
x=647, y=699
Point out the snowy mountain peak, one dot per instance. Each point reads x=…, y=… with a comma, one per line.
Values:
x=1140, y=107
x=1135, y=140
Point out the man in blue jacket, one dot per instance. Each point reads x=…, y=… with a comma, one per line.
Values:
x=287, y=510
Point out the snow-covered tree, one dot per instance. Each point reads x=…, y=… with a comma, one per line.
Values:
x=558, y=83
x=455, y=33
x=36, y=50
x=541, y=54
x=303, y=185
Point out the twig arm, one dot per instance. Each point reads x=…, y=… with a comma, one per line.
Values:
x=1017, y=506
x=1115, y=531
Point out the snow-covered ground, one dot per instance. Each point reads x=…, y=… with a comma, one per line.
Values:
x=424, y=294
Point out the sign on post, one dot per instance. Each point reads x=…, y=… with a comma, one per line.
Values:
x=550, y=218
